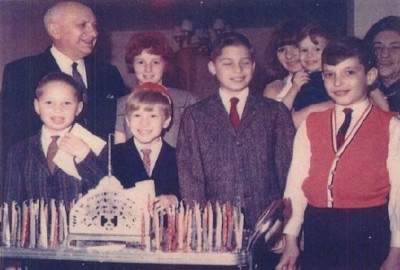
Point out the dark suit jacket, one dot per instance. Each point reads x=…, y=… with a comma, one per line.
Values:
x=128, y=167
x=21, y=77
x=249, y=166
x=28, y=176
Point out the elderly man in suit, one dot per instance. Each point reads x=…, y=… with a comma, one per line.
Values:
x=72, y=29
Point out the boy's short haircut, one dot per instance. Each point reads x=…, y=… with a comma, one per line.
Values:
x=59, y=77
x=390, y=23
x=154, y=42
x=230, y=39
x=315, y=29
x=147, y=95
x=341, y=49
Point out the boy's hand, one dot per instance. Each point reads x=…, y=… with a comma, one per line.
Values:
x=392, y=261
x=299, y=78
x=290, y=254
x=74, y=146
x=163, y=202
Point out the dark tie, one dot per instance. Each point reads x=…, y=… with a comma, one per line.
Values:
x=233, y=113
x=78, y=78
x=344, y=127
x=146, y=160
x=51, y=152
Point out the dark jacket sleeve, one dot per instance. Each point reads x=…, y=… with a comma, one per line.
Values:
x=190, y=170
x=284, y=130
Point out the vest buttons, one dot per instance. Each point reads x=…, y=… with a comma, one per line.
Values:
x=333, y=172
x=330, y=187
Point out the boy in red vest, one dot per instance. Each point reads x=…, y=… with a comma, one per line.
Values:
x=344, y=180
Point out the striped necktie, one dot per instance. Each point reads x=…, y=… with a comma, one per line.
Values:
x=51, y=153
x=340, y=136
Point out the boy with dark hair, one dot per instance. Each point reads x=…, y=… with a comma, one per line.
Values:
x=234, y=146
x=32, y=171
x=344, y=174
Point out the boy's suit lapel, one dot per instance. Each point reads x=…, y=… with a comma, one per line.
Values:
x=249, y=113
x=38, y=155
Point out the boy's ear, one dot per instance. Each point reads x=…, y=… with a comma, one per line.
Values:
x=167, y=122
x=211, y=68
x=36, y=105
x=80, y=107
x=372, y=75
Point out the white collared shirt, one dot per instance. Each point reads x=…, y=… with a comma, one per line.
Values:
x=155, y=151
x=226, y=100
x=65, y=63
x=358, y=110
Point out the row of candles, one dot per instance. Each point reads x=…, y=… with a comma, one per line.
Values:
x=34, y=224
x=215, y=228
x=187, y=228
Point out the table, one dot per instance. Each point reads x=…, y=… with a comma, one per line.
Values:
x=122, y=254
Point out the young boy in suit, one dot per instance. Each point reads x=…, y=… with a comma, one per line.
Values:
x=31, y=172
x=234, y=146
x=146, y=155
x=344, y=177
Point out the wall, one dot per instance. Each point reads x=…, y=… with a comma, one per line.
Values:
x=367, y=12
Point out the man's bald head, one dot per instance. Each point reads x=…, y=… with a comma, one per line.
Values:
x=72, y=28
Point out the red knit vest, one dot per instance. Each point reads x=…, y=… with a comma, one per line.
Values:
x=358, y=178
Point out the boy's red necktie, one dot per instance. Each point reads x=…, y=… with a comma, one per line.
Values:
x=233, y=113
x=51, y=152
x=146, y=160
x=344, y=127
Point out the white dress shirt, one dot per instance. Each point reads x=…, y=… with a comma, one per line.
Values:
x=226, y=100
x=65, y=63
x=155, y=151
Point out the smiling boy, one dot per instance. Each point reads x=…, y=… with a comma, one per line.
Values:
x=146, y=155
x=229, y=154
x=344, y=178
x=30, y=173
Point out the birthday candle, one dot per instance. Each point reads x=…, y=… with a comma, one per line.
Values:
x=224, y=227
x=218, y=228
x=34, y=212
x=42, y=237
x=205, y=228
x=229, y=225
x=198, y=227
x=63, y=226
x=156, y=228
x=25, y=225
x=53, y=224
x=189, y=230
x=19, y=225
x=180, y=227
x=170, y=228
x=162, y=236
x=210, y=225
x=14, y=224
x=6, y=227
